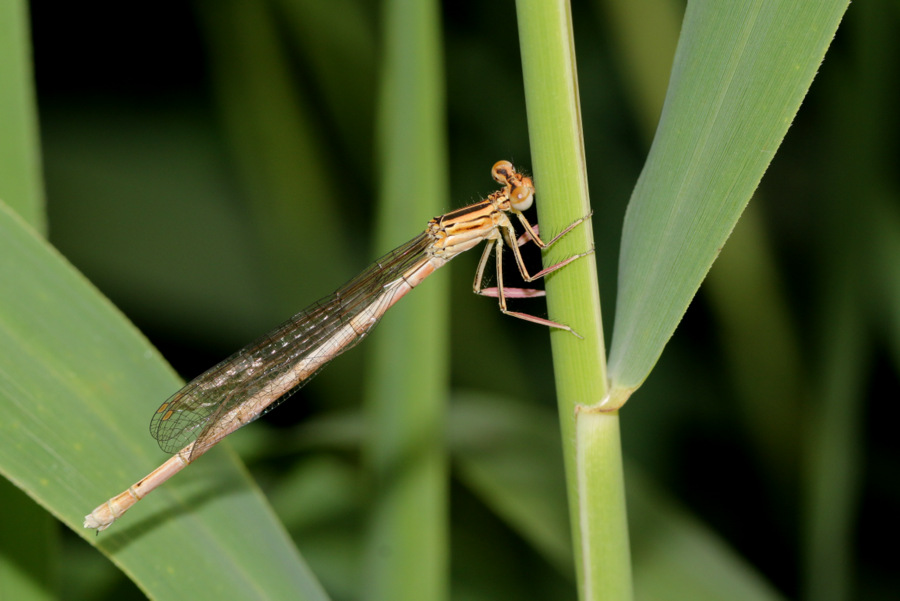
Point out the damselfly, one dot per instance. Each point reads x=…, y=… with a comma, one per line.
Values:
x=256, y=378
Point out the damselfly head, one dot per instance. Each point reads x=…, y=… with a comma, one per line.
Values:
x=521, y=188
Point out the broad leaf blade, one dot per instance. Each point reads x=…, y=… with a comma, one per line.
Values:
x=77, y=384
x=740, y=74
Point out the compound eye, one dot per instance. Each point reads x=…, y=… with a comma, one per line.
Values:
x=522, y=196
x=502, y=171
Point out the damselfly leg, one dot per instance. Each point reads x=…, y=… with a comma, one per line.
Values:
x=502, y=293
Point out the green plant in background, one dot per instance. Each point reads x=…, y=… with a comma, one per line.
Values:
x=76, y=380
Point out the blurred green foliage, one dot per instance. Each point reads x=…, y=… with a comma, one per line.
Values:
x=211, y=168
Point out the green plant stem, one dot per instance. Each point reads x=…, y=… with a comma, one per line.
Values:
x=601, y=492
x=591, y=440
x=407, y=549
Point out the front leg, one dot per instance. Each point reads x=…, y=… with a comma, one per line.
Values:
x=532, y=230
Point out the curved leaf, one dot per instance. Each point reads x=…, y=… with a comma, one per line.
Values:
x=740, y=74
x=77, y=385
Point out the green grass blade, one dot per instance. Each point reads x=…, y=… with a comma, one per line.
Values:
x=277, y=145
x=739, y=76
x=405, y=403
x=834, y=462
x=77, y=384
x=21, y=186
x=336, y=43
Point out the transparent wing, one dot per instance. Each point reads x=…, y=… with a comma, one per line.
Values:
x=192, y=412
